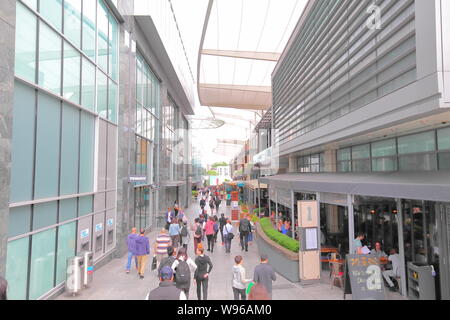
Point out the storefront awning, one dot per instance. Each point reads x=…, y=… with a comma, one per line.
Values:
x=253, y=184
x=432, y=186
x=173, y=183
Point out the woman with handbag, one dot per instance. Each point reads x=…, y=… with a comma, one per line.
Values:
x=228, y=236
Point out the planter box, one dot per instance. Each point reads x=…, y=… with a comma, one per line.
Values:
x=284, y=261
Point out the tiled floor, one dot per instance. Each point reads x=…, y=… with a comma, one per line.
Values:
x=112, y=283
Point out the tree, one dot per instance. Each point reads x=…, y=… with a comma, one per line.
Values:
x=219, y=164
x=212, y=173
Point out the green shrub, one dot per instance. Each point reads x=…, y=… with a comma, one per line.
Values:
x=255, y=218
x=281, y=239
x=257, y=210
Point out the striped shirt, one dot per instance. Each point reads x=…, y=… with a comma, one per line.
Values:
x=162, y=242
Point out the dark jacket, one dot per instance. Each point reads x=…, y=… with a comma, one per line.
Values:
x=167, y=261
x=165, y=291
x=222, y=222
x=202, y=203
x=244, y=225
x=202, y=267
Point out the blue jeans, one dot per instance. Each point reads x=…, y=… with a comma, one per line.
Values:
x=130, y=256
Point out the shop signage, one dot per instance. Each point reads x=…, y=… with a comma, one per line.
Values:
x=99, y=227
x=110, y=222
x=137, y=179
x=84, y=233
x=363, y=278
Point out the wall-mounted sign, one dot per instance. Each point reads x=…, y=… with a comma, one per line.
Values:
x=99, y=227
x=110, y=222
x=137, y=179
x=311, y=239
x=84, y=233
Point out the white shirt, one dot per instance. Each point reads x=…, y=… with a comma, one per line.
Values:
x=228, y=228
x=395, y=259
x=182, y=296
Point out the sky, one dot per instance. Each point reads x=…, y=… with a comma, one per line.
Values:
x=234, y=25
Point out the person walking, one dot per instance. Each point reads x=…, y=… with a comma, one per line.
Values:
x=217, y=203
x=162, y=242
x=184, y=235
x=212, y=205
x=202, y=272
x=131, y=244
x=166, y=289
x=264, y=274
x=202, y=203
x=174, y=232
x=142, y=252
x=169, y=260
x=3, y=289
x=183, y=267
x=169, y=217
x=239, y=282
x=228, y=236
x=197, y=234
x=258, y=292
x=216, y=228
x=176, y=208
x=244, y=229
x=222, y=223
x=209, y=232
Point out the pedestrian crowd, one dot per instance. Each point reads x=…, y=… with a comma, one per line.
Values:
x=176, y=270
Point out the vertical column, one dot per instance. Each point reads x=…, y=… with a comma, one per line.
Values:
x=276, y=206
x=351, y=223
x=7, y=52
x=292, y=214
x=268, y=192
x=401, y=247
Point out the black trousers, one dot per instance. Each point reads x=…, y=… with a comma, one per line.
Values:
x=244, y=240
x=202, y=284
x=210, y=238
x=239, y=292
x=221, y=234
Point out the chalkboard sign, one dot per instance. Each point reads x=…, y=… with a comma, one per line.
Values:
x=363, y=277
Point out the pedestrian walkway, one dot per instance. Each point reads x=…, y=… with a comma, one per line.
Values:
x=112, y=283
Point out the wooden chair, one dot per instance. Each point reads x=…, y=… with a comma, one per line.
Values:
x=336, y=272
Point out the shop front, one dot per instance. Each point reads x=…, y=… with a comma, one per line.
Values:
x=389, y=209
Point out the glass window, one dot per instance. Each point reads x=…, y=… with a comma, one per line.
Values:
x=361, y=152
x=102, y=31
x=25, y=54
x=444, y=161
x=88, y=85
x=72, y=21
x=361, y=165
x=344, y=154
x=67, y=209
x=42, y=263
x=44, y=215
x=344, y=166
x=444, y=139
x=71, y=75
x=19, y=221
x=85, y=205
x=384, y=164
x=17, y=268
x=49, y=59
x=89, y=28
x=384, y=148
x=418, y=162
x=52, y=12
x=422, y=142
x=102, y=95
x=112, y=102
x=87, y=134
x=22, y=154
x=47, y=147
x=31, y=3
x=66, y=249
x=69, y=150
x=113, y=47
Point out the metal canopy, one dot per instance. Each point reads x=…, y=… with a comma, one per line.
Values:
x=432, y=186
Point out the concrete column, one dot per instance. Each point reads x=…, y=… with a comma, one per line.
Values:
x=292, y=164
x=292, y=214
x=330, y=161
x=276, y=206
x=401, y=247
x=351, y=223
x=7, y=52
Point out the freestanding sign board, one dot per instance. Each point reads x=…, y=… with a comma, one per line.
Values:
x=363, y=277
x=235, y=206
x=309, y=259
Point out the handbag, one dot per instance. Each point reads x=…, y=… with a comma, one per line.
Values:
x=154, y=263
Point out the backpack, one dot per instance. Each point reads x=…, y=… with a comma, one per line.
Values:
x=183, y=273
x=244, y=225
x=211, y=203
x=198, y=231
x=184, y=232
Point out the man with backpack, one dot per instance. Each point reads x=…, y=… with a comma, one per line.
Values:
x=211, y=205
x=169, y=260
x=183, y=266
x=217, y=202
x=202, y=203
x=166, y=289
x=244, y=229
x=222, y=223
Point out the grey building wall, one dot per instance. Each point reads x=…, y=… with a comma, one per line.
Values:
x=7, y=49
